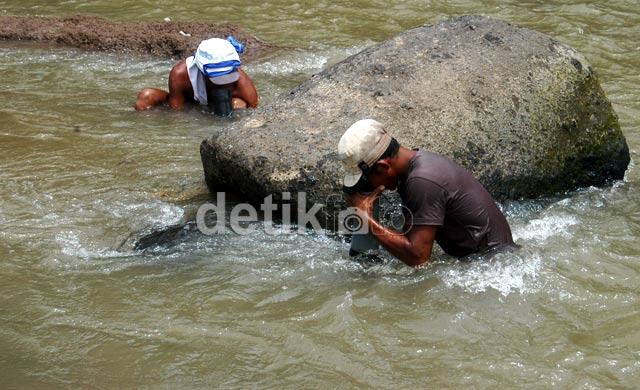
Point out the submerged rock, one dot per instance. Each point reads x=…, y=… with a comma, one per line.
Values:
x=163, y=237
x=162, y=38
x=522, y=111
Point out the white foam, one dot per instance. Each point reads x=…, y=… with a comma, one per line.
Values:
x=301, y=63
x=72, y=246
x=504, y=273
x=346, y=303
x=545, y=227
x=75, y=245
x=156, y=213
x=630, y=168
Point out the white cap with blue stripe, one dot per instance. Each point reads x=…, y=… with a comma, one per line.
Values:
x=218, y=60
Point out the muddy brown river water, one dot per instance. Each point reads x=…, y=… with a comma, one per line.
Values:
x=80, y=170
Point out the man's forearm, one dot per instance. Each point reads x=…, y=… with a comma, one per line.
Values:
x=397, y=244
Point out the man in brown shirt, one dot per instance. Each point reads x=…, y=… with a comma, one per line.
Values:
x=446, y=203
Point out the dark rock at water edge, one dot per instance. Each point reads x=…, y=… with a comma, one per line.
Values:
x=522, y=111
x=160, y=237
x=155, y=38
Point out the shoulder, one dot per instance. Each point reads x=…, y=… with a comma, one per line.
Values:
x=435, y=167
x=179, y=73
x=424, y=184
x=428, y=158
x=244, y=77
x=426, y=169
x=246, y=90
x=180, y=67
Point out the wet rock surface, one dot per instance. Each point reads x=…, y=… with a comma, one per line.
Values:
x=522, y=111
x=155, y=38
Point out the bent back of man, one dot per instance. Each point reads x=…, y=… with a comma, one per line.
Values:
x=441, y=193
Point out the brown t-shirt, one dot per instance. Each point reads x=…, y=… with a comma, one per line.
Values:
x=439, y=192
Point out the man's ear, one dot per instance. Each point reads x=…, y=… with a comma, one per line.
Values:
x=382, y=166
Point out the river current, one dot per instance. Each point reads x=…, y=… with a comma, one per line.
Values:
x=81, y=170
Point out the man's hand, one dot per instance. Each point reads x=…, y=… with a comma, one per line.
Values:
x=238, y=104
x=413, y=248
x=365, y=202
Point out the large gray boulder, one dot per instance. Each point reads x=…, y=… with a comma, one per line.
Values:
x=522, y=111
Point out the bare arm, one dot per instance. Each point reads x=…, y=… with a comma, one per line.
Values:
x=150, y=97
x=246, y=90
x=179, y=85
x=413, y=248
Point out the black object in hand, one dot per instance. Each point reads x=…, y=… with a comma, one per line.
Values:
x=222, y=102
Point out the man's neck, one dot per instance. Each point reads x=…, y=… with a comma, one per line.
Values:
x=406, y=154
x=404, y=157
